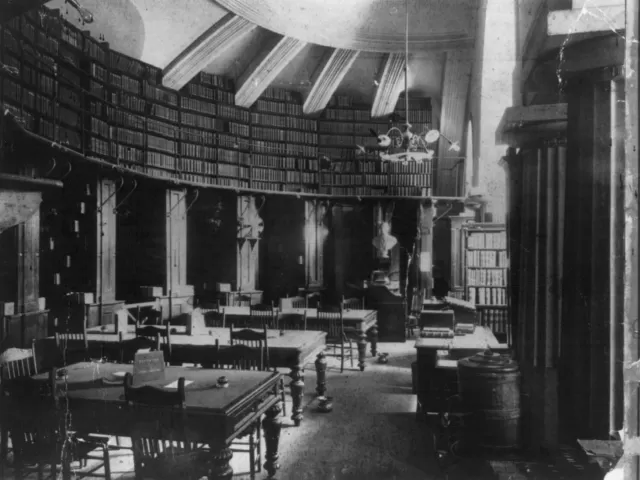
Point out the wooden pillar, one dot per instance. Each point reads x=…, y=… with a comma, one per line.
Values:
x=248, y=242
x=105, y=270
x=176, y=244
x=426, y=213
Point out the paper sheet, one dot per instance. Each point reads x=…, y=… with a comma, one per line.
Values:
x=175, y=384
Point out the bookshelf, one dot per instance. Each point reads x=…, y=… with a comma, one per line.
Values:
x=65, y=86
x=486, y=264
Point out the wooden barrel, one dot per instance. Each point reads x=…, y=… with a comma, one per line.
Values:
x=489, y=385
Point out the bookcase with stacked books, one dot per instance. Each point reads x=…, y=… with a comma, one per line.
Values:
x=63, y=85
x=486, y=264
x=343, y=126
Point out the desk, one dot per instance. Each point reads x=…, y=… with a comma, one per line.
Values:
x=363, y=322
x=292, y=350
x=431, y=372
x=213, y=415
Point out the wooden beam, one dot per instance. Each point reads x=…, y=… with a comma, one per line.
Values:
x=205, y=49
x=586, y=19
x=330, y=75
x=389, y=87
x=267, y=65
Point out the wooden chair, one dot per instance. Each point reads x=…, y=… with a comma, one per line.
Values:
x=160, y=335
x=313, y=299
x=263, y=314
x=292, y=321
x=352, y=303
x=242, y=301
x=243, y=357
x=161, y=449
x=330, y=320
x=214, y=317
x=43, y=440
x=25, y=366
x=293, y=302
x=255, y=339
x=128, y=348
x=72, y=347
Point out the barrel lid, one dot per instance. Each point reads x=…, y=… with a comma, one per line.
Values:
x=489, y=361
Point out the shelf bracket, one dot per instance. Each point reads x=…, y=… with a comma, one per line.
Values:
x=114, y=193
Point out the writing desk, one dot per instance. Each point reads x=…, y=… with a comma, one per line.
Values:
x=214, y=416
x=363, y=323
x=292, y=350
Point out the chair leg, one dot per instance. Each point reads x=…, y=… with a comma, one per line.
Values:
x=252, y=455
x=342, y=357
x=284, y=398
x=107, y=462
x=351, y=352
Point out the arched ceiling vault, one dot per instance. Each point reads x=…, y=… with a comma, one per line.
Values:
x=317, y=47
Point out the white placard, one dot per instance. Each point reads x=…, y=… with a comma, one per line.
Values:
x=425, y=262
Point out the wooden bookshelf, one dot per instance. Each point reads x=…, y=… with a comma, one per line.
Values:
x=65, y=86
x=485, y=263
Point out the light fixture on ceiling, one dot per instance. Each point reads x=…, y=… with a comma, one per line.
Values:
x=403, y=145
x=85, y=15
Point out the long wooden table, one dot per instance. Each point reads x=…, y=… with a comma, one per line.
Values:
x=364, y=324
x=214, y=416
x=293, y=350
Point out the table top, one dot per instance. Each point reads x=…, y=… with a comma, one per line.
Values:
x=480, y=339
x=289, y=338
x=347, y=315
x=95, y=381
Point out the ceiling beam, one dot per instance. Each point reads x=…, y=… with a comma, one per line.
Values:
x=267, y=65
x=389, y=86
x=605, y=17
x=205, y=49
x=326, y=82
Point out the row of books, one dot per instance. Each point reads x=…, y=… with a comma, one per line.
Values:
x=207, y=108
x=284, y=121
x=159, y=94
x=281, y=95
x=487, y=258
x=124, y=82
x=215, y=81
x=486, y=278
x=95, y=50
x=232, y=112
x=239, y=129
x=342, y=140
x=123, y=63
x=278, y=107
x=199, y=121
x=494, y=240
x=487, y=296
x=277, y=135
x=361, y=115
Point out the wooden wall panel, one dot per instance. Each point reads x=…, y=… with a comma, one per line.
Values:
x=105, y=238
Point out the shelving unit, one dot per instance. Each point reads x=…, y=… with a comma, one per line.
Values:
x=63, y=85
x=486, y=265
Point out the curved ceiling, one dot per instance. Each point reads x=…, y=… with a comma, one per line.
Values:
x=369, y=25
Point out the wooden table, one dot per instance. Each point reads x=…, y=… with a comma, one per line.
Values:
x=292, y=350
x=363, y=322
x=214, y=416
x=432, y=370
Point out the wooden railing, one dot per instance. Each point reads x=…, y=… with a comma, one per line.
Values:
x=496, y=317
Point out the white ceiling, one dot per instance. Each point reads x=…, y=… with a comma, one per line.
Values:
x=156, y=31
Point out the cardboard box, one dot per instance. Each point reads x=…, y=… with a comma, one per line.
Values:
x=223, y=287
x=7, y=308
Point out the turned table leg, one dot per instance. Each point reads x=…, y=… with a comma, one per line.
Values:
x=297, y=393
x=220, y=458
x=362, y=350
x=321, y=372
x=271, y=426
x=373, y=338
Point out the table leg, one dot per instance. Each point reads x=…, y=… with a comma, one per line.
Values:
x=321, y=373
x=373, y=338
x=271, y=426
x=362, y=350
x=220, y=468
x=297, y=393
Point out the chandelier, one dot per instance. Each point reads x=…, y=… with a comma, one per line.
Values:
x=403, y=145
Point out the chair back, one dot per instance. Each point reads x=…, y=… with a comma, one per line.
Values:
x=128, y=348
x=291, y=321
x=72, y=347
x=292, y=302
x=25, y=366
x=240, y=357
x=148, y=395
x=248, y=337
x=263, y=315
x=214, y=317
x=329, y=320
x=242, y=301
x=312, y=300
x=352, y=303
x=160, y=335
